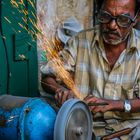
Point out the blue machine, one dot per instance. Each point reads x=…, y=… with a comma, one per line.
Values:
x=24, y=118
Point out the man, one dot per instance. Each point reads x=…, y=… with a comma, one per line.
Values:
x=105, y=64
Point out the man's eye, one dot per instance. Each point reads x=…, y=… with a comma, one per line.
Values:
x=104, y=17
x=124, y=19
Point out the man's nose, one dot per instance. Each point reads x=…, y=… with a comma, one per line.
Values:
x=113, y=24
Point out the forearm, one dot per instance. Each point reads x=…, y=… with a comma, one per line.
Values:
x=119, y=105
x=135, y=103
x=59, y=91
x=112, y=105
x=49, y=84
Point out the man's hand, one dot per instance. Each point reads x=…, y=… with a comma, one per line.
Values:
x=63, y=94
x=103, y=105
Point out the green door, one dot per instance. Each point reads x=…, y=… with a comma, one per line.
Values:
x=18, y=49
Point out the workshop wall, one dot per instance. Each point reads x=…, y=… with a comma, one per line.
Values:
x=53, y=12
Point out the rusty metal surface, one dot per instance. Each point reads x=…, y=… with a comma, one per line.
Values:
x=25, y=118
x=8, y=102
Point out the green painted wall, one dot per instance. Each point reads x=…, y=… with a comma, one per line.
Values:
x=18, y=49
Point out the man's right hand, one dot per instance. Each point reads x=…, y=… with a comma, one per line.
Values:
x=63, y=94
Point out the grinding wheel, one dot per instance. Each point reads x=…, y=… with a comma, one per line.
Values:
x=73, y=121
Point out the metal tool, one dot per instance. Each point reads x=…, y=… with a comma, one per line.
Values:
x=97, y=104
x=73, y=121
x=117, y=134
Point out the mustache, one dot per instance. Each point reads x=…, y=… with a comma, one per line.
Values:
x=107, y=31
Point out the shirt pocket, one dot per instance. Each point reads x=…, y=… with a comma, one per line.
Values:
x=127, y=91
x=136, y=90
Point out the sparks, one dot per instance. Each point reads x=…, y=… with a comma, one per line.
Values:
x=50, y=46
x=7, y=19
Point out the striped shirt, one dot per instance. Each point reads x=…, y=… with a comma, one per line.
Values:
x=85, y=56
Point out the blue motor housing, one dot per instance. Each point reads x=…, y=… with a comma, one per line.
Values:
x=24, y=118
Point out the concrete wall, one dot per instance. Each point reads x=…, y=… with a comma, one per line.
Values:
x=53, y=12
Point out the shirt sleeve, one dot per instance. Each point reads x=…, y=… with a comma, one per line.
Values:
x=67, y=56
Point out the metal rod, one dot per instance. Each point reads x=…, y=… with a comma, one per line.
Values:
x=97, y=104
x=118, y=134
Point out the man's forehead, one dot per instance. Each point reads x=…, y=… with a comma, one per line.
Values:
x=119, y=5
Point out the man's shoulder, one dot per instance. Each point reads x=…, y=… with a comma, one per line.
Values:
x=93, y=30
x=136, y=41
x=136, y=34
x=89, y=34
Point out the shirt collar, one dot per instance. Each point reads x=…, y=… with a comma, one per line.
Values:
x=132, y=41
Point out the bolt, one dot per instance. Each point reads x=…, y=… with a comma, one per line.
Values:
x=79, y=131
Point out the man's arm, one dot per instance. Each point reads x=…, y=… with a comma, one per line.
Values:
x=112, y=105
x=49, y=84
x=60, y=91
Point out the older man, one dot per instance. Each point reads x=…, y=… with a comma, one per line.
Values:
x=105, y=64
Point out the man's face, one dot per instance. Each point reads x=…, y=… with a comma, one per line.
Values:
x=112, y=32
